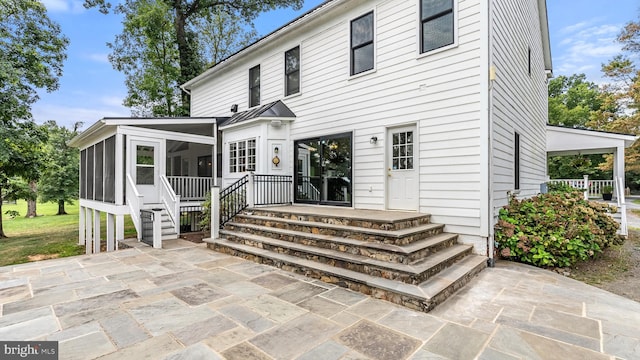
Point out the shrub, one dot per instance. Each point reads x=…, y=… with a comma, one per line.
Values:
x=556, y=229
x=607, y=189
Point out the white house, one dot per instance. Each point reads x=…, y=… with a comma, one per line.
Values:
x=437, y=107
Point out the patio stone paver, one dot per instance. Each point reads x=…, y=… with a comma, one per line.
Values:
x=378, y=342
x=91, y=345
x=294, y=337
x=187, y=302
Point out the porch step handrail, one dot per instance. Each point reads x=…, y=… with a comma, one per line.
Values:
x=233, y=199
x=622, y=206
x=171, y=202
x=135, y=201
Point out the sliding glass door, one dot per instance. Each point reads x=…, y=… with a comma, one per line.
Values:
x=323, y=170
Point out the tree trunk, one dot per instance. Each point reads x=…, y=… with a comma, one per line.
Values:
x=61, y=208
x=31, y=203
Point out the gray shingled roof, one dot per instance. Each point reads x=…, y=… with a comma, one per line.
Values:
x=276, y=109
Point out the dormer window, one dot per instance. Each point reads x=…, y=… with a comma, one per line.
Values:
x=254, y=86
x=362, y=44
x=436, y=19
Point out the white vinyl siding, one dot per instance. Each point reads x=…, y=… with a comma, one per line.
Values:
x=519, y=99
x=439, y=93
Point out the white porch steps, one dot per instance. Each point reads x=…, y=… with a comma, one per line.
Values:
x=168, y=228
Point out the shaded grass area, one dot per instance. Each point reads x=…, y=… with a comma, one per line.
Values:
x=614, y=264
x=46, y=236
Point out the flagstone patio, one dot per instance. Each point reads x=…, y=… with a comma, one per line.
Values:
x=188, y=302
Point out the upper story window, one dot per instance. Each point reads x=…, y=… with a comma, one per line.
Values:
x=254, y=86
x=292, y=71
x=242, y=156
x=436, y=19
x=362, y=44
x=516, y=161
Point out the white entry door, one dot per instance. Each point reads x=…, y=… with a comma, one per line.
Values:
x=145, y=161
x=402, y=169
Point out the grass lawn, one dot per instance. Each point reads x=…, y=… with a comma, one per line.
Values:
x=46, y=236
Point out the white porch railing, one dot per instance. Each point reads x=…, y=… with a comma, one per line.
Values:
x=594, y=187
x=171, y=202
x=190, y=187
x=135, y=201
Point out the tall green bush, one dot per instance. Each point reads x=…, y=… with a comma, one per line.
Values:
x=556, y=229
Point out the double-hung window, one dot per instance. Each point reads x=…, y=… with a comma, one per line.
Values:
x=362, y=44
x=242, y=156
x=254, y=86
x=292, y=71
x=436, y=21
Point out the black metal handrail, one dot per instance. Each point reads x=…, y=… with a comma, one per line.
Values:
x=146, y=220
x=272, y=189
x=233, y=199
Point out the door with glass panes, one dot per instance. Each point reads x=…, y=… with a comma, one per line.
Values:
x=402, y=169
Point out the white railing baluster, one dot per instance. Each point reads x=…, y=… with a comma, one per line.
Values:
x=190, y=187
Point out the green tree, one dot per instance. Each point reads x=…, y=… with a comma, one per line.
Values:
x=572, y=99
x=572, y=102
x=60, y=181
x=623, y=71
x=184, y=16
x=32, y=52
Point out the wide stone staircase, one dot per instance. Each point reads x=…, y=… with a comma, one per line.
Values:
x=403, y=259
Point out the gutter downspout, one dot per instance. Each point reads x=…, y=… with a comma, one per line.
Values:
x=492, y=78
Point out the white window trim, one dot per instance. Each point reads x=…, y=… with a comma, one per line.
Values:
x=456, y=27
x=284, y=71
x=246, y=164
x=375, y=45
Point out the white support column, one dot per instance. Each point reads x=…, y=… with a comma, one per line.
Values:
x=119, y=228
x=96, y=231
x=82, y=235
x=618, y=166
x=585, y=186
x=119, y=170
x=88, y=227
x=111, y=232
x=215, y=212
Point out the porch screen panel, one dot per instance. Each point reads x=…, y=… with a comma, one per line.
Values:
x=110, y=170
x=90, y=170
x=83, y=174
x=99, y=163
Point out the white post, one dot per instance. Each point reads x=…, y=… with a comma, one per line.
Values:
x=157, y=228
x=119, y=229
x=215, y=212
x=585, y=186
x=88, y=227
x=251, y=191
x=119, y=170
x=82, y=235
x=110, y=232
x=96, y=231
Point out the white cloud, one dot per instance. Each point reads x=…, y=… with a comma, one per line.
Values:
x=97, y=57
x=69, y=6
x=585, y=46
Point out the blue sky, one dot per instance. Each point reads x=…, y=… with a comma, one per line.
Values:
x=582, y=34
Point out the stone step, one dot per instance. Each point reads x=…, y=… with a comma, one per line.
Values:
x=424, y=296
x=403, y=254
x=369, y=219
x=414, y=273
x=395, y=237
